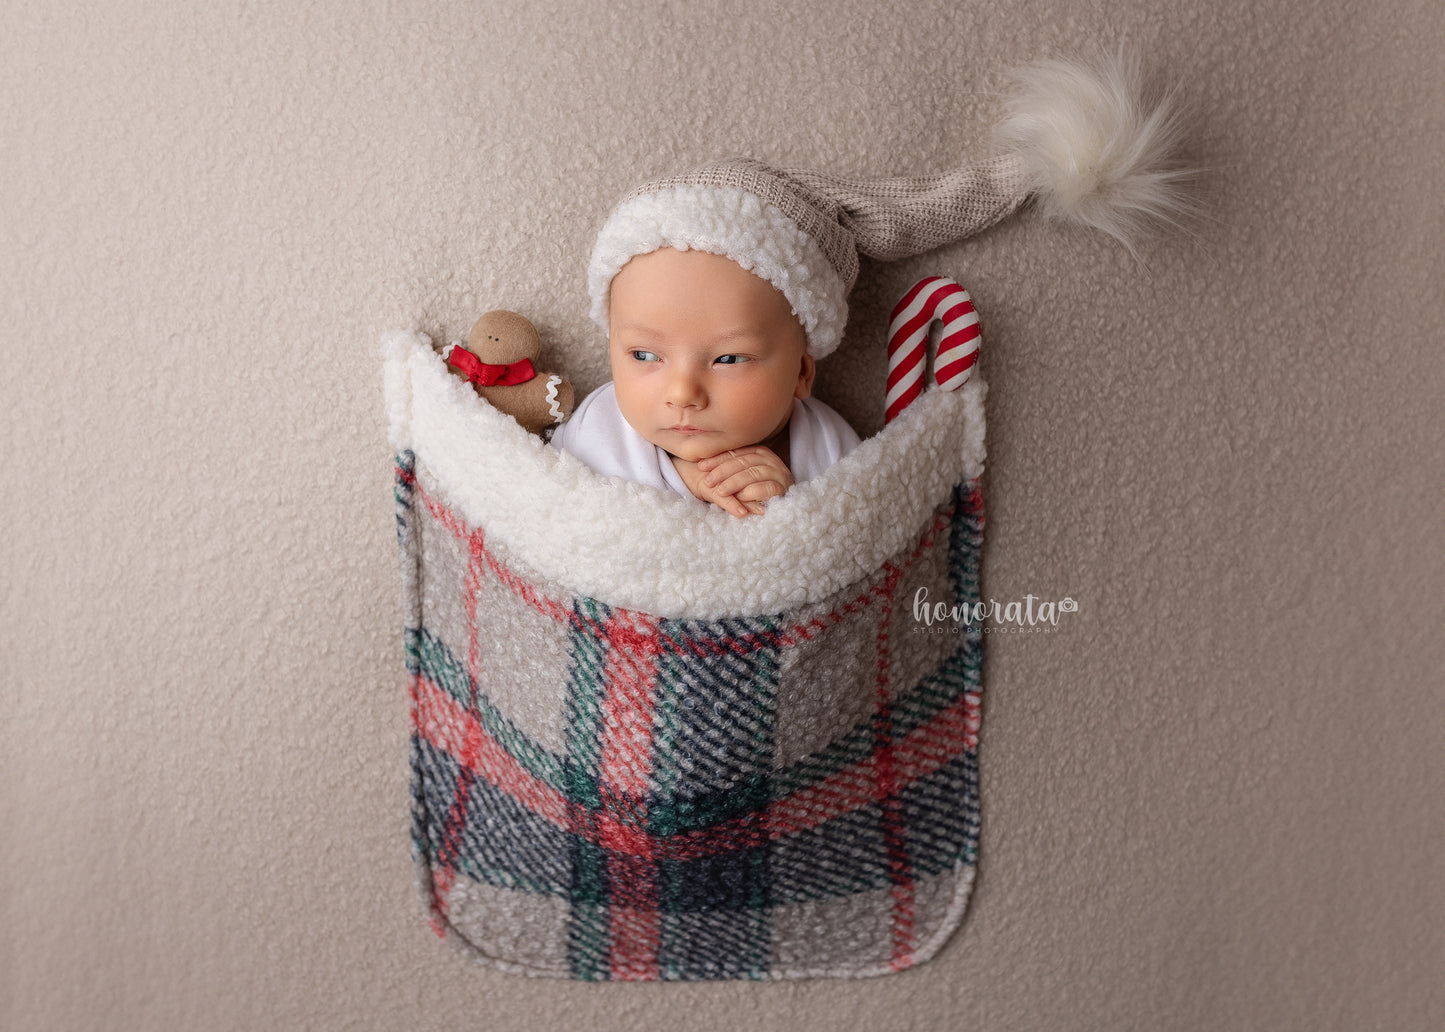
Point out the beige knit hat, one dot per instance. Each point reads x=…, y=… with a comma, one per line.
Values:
x=1080, y=135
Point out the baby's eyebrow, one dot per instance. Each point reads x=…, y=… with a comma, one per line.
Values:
x=638, y=330
x=742, y=333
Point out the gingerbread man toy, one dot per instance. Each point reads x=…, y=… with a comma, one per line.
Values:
x=499, y=361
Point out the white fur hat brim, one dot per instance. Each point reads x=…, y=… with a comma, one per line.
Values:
x=729, y=221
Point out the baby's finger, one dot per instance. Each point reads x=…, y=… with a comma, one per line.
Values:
x=747, y=471
x=754, y=478
x=734, y=507
x=762, y=491
x=729, y=504
x=720, y=467
x=724, y=472
x=724, y=483
x=738, y=456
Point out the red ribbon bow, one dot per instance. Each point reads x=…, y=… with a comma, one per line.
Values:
x=487, y=374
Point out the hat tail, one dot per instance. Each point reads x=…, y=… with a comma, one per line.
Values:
x=907, y=215
x=1097, y=148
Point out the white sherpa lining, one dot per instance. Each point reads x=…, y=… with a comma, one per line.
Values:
x=641, y=548
x=729, y=221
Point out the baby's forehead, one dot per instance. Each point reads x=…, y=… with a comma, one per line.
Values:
x=711, y=285
x=690, y=265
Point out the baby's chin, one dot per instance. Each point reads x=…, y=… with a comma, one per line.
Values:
x=689, y=447
x=695, y=449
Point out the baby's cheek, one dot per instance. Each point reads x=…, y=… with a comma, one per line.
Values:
x=763, y=405
x=631, y=395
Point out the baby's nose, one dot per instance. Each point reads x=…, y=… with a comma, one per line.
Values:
x=684, y=390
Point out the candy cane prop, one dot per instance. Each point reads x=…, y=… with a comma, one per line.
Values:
x=932, y=299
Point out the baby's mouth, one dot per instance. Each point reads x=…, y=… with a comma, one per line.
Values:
x=688, y=429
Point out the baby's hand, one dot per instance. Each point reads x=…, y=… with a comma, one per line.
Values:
x=742, y=479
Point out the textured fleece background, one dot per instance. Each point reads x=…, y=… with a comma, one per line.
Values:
x=1212, y=797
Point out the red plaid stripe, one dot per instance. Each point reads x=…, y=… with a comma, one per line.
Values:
x=629, y=676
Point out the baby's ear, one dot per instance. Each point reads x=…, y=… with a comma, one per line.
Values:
x=806, y=372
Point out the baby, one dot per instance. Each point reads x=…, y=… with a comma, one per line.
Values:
x=711, y=379
x=719, y=289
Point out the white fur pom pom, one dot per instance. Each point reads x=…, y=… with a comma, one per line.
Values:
x=1096, y=150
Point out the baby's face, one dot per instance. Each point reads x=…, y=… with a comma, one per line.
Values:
x=705, y=355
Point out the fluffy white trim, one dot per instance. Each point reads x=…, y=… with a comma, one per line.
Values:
x=397, y=348
x=548, y=515
x=1097, y=148
x=725, y=220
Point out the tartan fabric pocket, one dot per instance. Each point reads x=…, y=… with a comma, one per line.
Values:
x=603, y=792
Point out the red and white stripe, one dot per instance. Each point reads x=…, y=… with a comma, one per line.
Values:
x=934, y=299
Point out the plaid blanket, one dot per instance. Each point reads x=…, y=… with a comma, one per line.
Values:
x=605, y=794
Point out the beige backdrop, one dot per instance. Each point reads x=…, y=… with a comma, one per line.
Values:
x=1212, y=796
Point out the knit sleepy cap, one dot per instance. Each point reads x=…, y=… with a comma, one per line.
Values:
x=802, y=231
x=1079, y=135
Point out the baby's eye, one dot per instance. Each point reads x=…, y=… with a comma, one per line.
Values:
x=730, y=359
x=643, y=356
